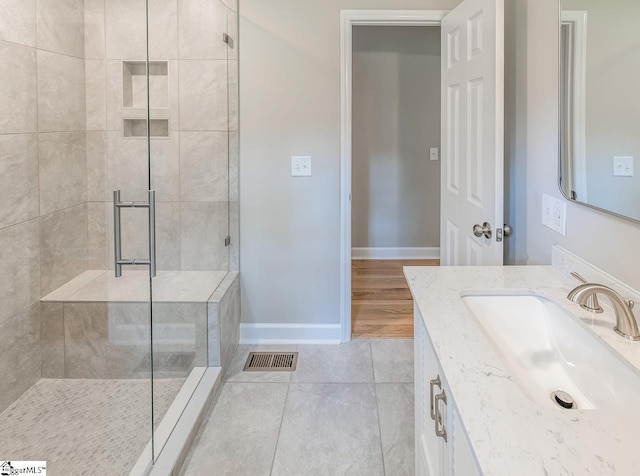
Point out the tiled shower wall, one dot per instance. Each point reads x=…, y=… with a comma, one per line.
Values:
x=194, y=165
x=43, y=173
x=62, y=151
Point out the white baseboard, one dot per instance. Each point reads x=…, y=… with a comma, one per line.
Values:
x=290, y=333
x=395, y=253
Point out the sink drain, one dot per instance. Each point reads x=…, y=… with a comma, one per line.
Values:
x=563, y=400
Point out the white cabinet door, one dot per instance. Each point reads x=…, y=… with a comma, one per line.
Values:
x=430, y=449
x=472, y=132
x=434, y=456
x=462, y=461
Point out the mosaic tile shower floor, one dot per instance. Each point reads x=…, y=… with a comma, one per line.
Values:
x=92, y=427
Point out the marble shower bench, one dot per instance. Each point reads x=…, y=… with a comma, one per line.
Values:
x=98, y=326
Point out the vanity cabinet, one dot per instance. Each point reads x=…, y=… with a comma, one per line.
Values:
x=442, y=446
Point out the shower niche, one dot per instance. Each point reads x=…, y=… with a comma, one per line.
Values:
x=134, y=99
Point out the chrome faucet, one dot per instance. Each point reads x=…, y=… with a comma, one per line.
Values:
x=626, y=324
x=592, y=304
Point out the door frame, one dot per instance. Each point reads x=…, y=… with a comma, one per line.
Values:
x=349, y=19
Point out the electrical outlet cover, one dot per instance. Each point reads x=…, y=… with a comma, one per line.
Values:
x=554, y=214
x=546, y=210
x=560, y=217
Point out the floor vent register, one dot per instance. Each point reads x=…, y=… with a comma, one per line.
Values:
x=271, y=361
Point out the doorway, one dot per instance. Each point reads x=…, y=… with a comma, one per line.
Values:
x=385, y=163
x=472, y=122
x=395, y=172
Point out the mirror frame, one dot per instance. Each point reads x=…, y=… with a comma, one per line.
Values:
x=568, y=198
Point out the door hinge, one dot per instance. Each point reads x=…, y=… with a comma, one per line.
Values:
x=227, y=240
x=227, y=39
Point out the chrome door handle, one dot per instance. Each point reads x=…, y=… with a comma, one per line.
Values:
x=483, y=230
x=441, y=431
x=152, y=233
x=508, y=231
x=433, y=383
x=117, y=233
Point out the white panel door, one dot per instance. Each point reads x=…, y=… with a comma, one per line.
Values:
x=472, y=133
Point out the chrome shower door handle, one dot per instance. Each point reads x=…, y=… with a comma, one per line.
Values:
x=152, y=233
x=117, y=233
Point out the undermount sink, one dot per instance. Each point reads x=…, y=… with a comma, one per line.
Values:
x=547, y=350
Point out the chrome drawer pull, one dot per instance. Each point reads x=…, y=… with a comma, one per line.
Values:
x=433, y=383
x=442, y=433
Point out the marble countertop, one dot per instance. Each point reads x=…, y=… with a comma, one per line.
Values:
x=509, y=433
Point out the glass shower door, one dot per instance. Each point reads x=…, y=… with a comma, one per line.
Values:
x=144, y=174
x=188, y=143
x=116, y=140
x=121, y=218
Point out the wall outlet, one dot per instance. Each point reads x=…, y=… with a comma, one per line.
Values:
x=622, y=166
x=554, y=214
x=434, y=153
x=301, y=166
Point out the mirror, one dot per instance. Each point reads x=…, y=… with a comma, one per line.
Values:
x=600, y=104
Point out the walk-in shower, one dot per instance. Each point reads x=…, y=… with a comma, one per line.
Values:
x=118, y=225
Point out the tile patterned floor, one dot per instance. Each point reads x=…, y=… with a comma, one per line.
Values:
x=92, y=427
x=347, y=410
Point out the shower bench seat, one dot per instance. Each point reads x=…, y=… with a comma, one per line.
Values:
x=99, y=326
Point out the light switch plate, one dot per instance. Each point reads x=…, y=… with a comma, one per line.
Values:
x=301, y=166
x=434, y=153
x=554, y=214
x=622, y=166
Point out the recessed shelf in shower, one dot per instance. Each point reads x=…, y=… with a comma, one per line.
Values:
x=134, y=84
x=134, y=99
x=137, y=128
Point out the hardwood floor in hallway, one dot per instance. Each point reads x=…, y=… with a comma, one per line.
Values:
x=381, y=303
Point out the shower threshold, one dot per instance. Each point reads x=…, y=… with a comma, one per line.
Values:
x=180, y=424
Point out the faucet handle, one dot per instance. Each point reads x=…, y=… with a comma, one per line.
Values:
x=592, y=304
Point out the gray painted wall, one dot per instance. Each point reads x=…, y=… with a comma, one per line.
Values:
x=515, y=167
x=396, y=119
x=290, y=105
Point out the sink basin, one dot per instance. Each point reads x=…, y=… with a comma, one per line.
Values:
x=546, y=349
